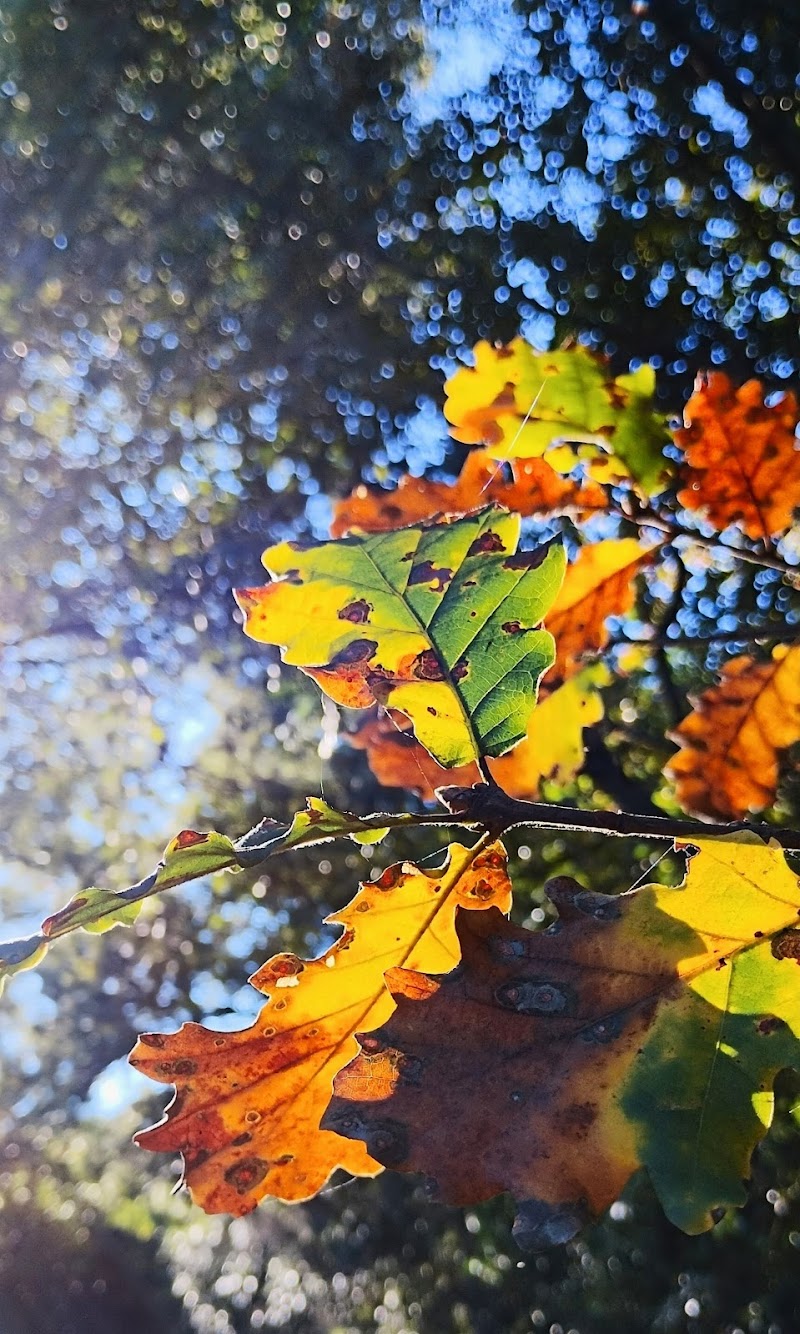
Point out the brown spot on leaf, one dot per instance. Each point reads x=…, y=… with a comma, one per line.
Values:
x=579, y=1117
x=769, y=1024
x=535, y=996
x=189, y=838
x=157, y=1040
x=360, y=650
x=182, y=1067
x=526, y=560
x=390, y=877
x=244, y=1175
x=426, y=573
x=356, y=612
x=488, y=543
x=512, y=627
x=786, y=945
x=427, y=666
x=460, y=670
x=283, y=965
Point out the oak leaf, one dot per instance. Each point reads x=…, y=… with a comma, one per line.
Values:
x=742, y=456
x=642, y=1030
x=247, y=1106
x=525, y=404
x=728, y=762
x=599, y=583
x=441, y=623
x=534, y=488
x=551, y=749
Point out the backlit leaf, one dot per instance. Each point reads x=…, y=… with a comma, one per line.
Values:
x=644, y=1030
x=248, y=1105
x=742, y=457
x=599, y=583
x=730, y=744
x=439, y=622
x=534, y=488
x=523, y=404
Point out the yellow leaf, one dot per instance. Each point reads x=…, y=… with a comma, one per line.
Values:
x=248, y=1105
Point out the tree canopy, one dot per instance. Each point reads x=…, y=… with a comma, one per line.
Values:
x=244, y=246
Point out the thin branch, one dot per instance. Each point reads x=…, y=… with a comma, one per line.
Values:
x=746, y=634
x=492, y=808
x=650, y=518
x=485, y=807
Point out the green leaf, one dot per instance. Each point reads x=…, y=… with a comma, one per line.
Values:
x=442, y=622
x=315, y=824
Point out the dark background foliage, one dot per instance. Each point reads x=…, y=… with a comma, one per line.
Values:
x=243, y=244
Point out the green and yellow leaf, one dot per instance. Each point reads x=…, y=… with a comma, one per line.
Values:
x=442, y=623
x=565, y=405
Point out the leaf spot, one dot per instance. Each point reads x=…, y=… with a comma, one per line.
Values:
x=356, y=612
x=243, y=1176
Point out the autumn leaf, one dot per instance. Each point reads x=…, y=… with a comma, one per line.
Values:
x=534, y=488
x=643, y=1030
x=728, y=762
x=742, y=457
x=248, y=1105
x=524, y=404
x=398, y=760
x=551, y=749
x=599, y=583
x=439, y=622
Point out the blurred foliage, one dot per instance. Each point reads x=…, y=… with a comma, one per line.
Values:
x=242, y=244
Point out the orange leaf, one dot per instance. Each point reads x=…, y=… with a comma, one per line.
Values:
x=247, y=1106
x=743, y=464
x=535, y=488
x=728, y=761
x=600, y=583
x=552, y=748
x=398, y=760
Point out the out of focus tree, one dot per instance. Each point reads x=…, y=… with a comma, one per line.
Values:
x=241, y=245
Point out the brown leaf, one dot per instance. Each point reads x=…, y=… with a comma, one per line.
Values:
x=247, y=1106
x=728, y=762
x=743, y=464
x=599, y=583
x=535, y=488
x=639, y=1030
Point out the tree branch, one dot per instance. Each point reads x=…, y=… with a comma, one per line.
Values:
x=650, y=518
x=492, y=808
x=485, y=807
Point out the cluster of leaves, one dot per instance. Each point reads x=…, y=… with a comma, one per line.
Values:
x=642, y=1029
